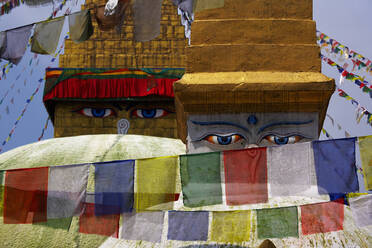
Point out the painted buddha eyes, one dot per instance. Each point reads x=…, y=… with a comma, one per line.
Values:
x=149, y=113
x=223, y=139
x=283, y=140
x=97, y=112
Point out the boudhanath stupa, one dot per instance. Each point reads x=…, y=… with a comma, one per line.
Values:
x=248, y=77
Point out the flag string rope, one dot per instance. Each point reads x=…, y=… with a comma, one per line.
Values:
x=28, y=101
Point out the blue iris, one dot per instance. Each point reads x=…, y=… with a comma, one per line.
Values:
x=224, y=140
x=96, y=112
x=281, y=140
x=148, y=113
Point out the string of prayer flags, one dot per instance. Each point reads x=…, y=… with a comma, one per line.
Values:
x=114, y=187
x=291, y=169
x=152, y=192
x=80, y=26
x=232, y=226
x=342, y=167
x=25, y=195
x=15, y=44
x=106, y=225
x=28, y=101
x=55, y=11
x=188, y=226
x=44, y=129
x=277, y=223
x=9, y=5
x=360, y=108
x=46, y=36
x=201, y=179
x=322, y=217
x=365, y=147
x=147, y=226
x=358, y=80
x=66, y=190
x=337, y=48
x=246, y=176
x=361, y=209
x=147, y=16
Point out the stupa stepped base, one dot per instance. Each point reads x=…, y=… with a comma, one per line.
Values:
x=240, y=31
x=253, y=57
x=289, y=9
x=247, y=92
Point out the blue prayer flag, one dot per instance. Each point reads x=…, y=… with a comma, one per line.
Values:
x=188, y=226
x=114, y=187
x=335, y=166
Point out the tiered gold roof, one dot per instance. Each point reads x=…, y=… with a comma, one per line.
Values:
x=253, y=56
x=107, y=49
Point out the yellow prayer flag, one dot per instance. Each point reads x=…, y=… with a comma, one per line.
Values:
x=232, y=227
x=156, y=183
x=365, y=147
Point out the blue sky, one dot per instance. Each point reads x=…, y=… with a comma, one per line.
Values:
x=347, y=21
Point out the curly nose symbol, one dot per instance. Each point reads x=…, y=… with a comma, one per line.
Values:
x=123, y=126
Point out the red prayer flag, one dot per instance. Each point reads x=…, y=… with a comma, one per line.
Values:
x=322, y=217
x=25, y=196
x=246, y=176
x=107, y=225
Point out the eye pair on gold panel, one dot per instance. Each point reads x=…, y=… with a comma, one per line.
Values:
x=145, y=113
x=235, y=138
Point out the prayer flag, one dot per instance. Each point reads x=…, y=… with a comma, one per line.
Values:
x=361, y=208
x=106, y=23
x=147, y=16
x=25, y=196
x=335, y=166
x=147, y=226
x=188, y=226
x=15, y=44
x=365, y=147
x=277, y=222
x=66, y=190
x=107, y=225
x=46, y=36
x=201, y=179
x=1, y=192
x=114, y=187
x=291, y=169
x=246, y=176
x=2, y=42
x=155, y=190
x=231, y=227
x=322, y=217
x=80, y=26
x=63, y=223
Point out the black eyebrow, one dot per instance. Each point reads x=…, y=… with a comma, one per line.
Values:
x=209, y=123
x=284, y=123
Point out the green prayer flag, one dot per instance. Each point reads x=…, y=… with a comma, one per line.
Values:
x=62, y=223
x=201, y=179
x=80, y=26
x=277, y=223
x=46, y=36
